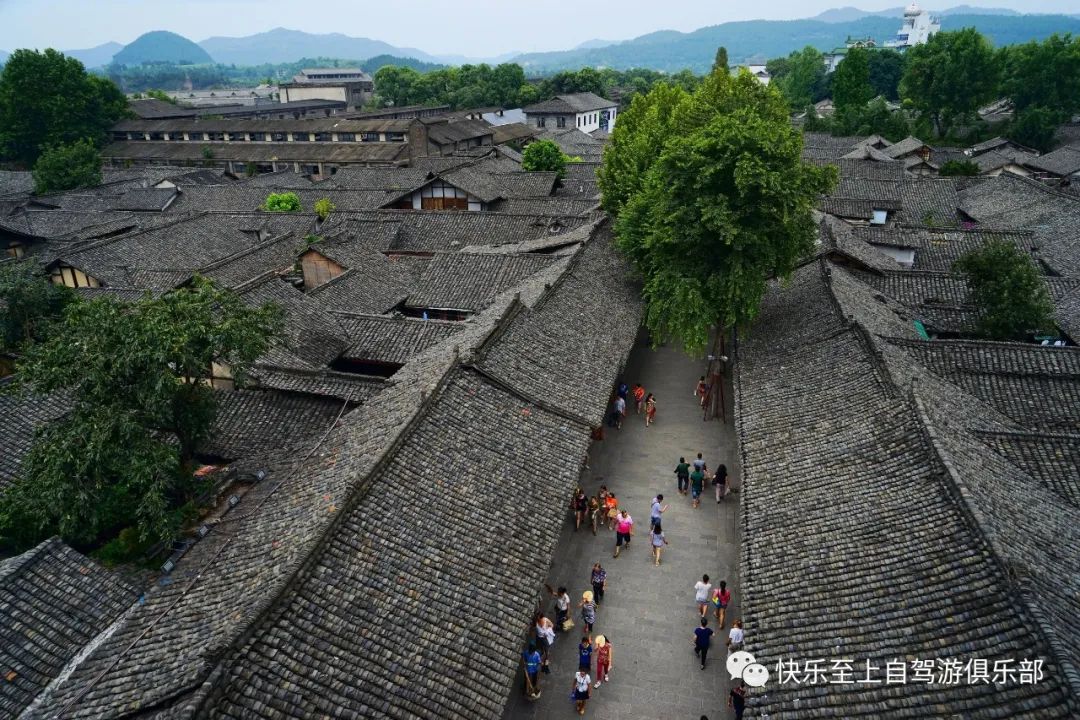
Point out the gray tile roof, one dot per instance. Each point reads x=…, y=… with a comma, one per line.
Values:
x=464, y=281
x=145, y=199
x=16, y=182
x=317, y=381
x=310, y=332
x=20, y=415
x=938, y=248
x=379, y=338
x=53, y=601
x=904, y=147
x=839, y=238
x=275, y=255
x=870, y=169
x=1050, y=458
x=373, y=285
x=383, y=153
x=1063, y=161
x=571, y=103
x=860, y=450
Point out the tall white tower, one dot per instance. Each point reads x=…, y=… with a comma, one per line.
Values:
x=918, y=26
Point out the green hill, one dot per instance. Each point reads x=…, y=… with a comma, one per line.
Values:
x=162, y=46
x=671, y=51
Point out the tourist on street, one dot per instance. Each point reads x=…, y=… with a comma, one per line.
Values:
x=699, y=464
x=701, y=594
x=598, y=579
x=682, y=473
x=580, y=505
x=582, y=690
x=594, y=513
x=650, y=409
x=562, y=607
x=720, y=482
x=699, y=391
x=588, y=610
x=545, y=636
x=623, y=390
x=624, y=528
x=697, y=485
x=735, y=637
x=658, y=541
x=657, y=510
x=603, y=659
x=721, y=598
x=702, y=640
x=737, y=699
x=618, y=412
x=638, y=394
x=612, y=504
x=584, y=650
x=532, y=670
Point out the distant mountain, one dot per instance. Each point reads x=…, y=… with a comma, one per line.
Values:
x=850, y=14
x=594, y=43
x=96, y=56
x=281, y=45
x=162, y=46
x=670, y=51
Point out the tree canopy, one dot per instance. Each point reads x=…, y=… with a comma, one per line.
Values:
x=800, y=76
x=1011, y=297
x=544, y=155
x=950, y=76
x=851, y=81
x=137, y=379
x=49, y=99
x=283, y=202
x=31, y=304
x=66, y=167
x=718, y=209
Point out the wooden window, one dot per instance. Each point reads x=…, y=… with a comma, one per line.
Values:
x=443, y=196
x=560, y=122
x=541, y=121
x=318, y=269
x=322, y=137
x=258, y=136
x=346, y=137
x=72, y=277
x=300, y=137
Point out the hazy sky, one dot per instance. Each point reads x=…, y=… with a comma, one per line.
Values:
x=477, y=28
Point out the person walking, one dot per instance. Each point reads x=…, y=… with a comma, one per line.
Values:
x=650, y=410
x=658, y=542
x=611, y=505
x=603, y=660
x=598, y=580
x=720, y=482
x=699, y=463
x=735, y=637
x=624, y=529
x=658, y=509
x=699, y=390
x=562, y=608
x=697, y=485
x=545, y=637
x=582, y=690
x=639, y=397
x=588, y=610
x=594, y=513
x=721, y=597
x=580, y=505
x=618, y=412
x=737, y=699
x=702, y=640
x=585, y=651
x=701, y=594
x=532, y=670
x=682, y=474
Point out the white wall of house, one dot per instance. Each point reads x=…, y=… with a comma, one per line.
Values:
x=318, y=92
x=440, y=195
x=904, y=256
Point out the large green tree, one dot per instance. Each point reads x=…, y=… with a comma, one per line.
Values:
x=950, y=76
x=886, y=69
x=851, y=81
x=800, y=76
x=136, y=377
x=725, y=206
x=1005, y=286
x=30, y=304
x=637, y=141
x=544, y=156
x=48, y=99
x=67, y=167
x=1043, y=74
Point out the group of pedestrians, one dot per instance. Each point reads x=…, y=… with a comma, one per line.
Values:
x=644, y=403
x=693, y=480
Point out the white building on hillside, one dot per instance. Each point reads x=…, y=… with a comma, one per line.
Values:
x=917, y=29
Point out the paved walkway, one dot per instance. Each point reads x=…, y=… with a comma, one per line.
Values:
x=649, y=612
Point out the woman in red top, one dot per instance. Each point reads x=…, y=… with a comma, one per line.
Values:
x=603, y=660
x=650, y=409
x=721, y=599
x=639, y=397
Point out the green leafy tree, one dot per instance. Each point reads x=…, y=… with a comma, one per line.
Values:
x=323, y=208
x=544, y=155
x=726, y=205
x=637, y=141
x=1043, y=74
x=283, y=202
x=136, y=375
x=31, y=304
x=886, y=69
x=1005, y=286
x=49, y=99
x=66, y=167
x=800, y=76
x=720, y=62
x=851, y=81
x=161, y=95
x=1035, y=127
x=950, y=76
x=958, y=168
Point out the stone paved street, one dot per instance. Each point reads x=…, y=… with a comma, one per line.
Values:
x=649, y=612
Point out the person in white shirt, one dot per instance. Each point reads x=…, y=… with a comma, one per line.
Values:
x=701, y=594
x=735, y=637
x=582, y=690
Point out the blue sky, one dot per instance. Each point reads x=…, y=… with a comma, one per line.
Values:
x=470, y=27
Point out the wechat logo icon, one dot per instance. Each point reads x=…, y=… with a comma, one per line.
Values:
x=743, y=666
